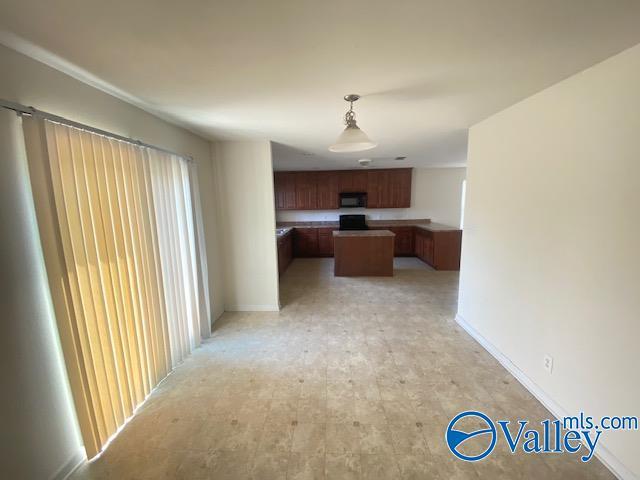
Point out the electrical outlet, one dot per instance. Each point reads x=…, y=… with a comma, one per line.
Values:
x=548, y=363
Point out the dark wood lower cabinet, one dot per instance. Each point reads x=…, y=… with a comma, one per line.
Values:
x=325, y=242
x=313, y=242
x=418, y=245
x=423, y=245
x=403, y=242
x=285, y=252
x=440, y=249
x=305, y=242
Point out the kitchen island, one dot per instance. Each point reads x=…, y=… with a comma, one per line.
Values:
x=360, y=253
x=435, y=244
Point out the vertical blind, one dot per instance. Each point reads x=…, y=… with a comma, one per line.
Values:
x=122, y=240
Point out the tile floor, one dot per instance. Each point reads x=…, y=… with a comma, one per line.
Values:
x=353, y=379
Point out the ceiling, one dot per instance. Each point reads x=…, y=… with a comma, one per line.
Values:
x=277, y=70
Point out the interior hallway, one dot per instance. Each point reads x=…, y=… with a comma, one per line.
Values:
x=353, y=379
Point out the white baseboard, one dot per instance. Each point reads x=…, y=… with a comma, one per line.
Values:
x=605, y=456
x=251, y=308
x=70, y=465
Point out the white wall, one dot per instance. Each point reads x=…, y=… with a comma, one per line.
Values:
x=551, y=259
x=39, y=429
x=39, y=434
x=29, y=82
x=435, y=194
x=247, y=225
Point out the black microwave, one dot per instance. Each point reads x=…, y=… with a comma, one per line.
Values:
x=353, y=200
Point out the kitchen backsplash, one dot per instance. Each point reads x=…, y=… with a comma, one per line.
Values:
x=332, y=215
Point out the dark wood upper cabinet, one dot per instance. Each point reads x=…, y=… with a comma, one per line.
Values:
x=385, y=188
x=284, y=186
x=400, y=188
x=373, y=189
x=306, y=191
x=328, y=184
x=360, y=181
x=389, y=188
x=378, y=189
x=352, y=181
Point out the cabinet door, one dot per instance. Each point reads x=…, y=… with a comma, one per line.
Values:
x=384, y=192
x=278, y=190
x=288, y=250
x=428, y=249
x=403, y=244
x=373, y=189
x=285, y=252
x=352, y=181
x=306, y=242
x=400, y=188
x=446, y=250
x=325, y=242
x=306, y=191
x=345, y=181
x=290, y=191
x=406, y=181
x=284, y=190
x=281, y=256
x=378, y=189
x=327, y=186
x=418, y=244
x=359, y=179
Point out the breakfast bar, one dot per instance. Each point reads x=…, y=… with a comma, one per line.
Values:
x=360, y=253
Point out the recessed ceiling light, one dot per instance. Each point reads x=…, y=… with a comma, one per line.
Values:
x=400, y=158
x=364, y=162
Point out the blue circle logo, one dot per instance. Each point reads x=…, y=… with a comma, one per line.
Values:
x=457, y=438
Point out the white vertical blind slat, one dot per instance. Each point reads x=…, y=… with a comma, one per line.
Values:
x=90, y=221
x=202, y=272
x=80, y=329
x=111, y=276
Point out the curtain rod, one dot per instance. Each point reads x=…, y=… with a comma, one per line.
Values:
x=24, y=110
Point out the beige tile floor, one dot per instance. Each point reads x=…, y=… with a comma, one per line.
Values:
x=354, y=379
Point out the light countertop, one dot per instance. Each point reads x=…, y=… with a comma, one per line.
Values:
x=436, y=227
x=283, y=231
x=286, y=227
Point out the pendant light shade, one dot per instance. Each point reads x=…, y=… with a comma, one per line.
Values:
x=352, y=139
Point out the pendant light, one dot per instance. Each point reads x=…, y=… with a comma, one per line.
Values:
x=352, y=139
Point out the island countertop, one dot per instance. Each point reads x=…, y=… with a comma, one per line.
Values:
x=363, y=233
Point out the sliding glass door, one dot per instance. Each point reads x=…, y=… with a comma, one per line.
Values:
x=124, y=259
